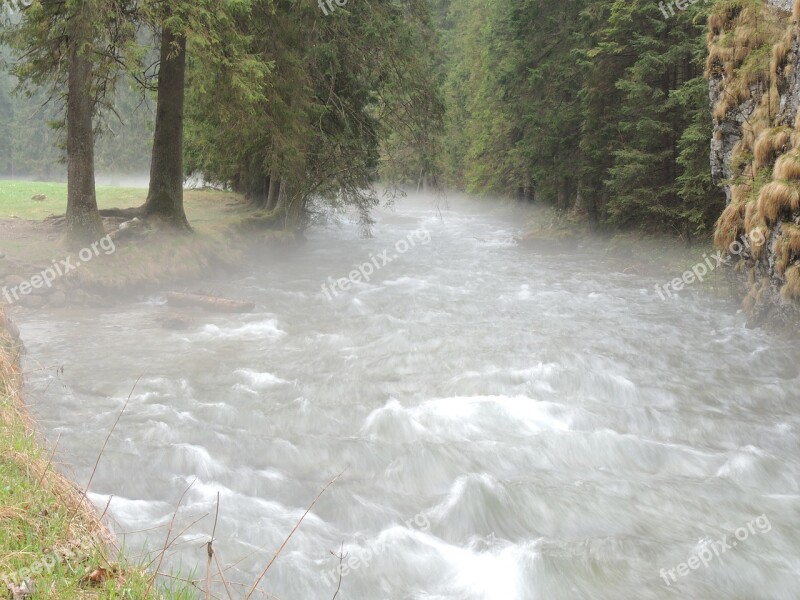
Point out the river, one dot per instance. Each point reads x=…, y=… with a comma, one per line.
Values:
x=511, y=421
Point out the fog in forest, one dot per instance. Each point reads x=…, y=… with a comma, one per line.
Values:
x=420, y=300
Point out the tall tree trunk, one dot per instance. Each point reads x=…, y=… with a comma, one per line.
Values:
x=274, y=190
x=263, y=196
x=165, y=197
x=83, y=219
x=283, y=197
x=291, y=209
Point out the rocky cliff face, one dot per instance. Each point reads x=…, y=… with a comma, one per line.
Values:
x=754, y=82
x=785, y=5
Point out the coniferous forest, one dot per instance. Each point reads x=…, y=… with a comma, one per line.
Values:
x=600, y=108
x=383, y=299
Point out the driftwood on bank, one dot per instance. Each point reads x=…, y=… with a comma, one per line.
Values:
x=209, y=302
x=123, y=213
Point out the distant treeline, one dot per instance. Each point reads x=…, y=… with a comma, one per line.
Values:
x=32, y=141
x=593, y=105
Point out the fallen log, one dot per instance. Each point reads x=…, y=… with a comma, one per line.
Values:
x=209, y=302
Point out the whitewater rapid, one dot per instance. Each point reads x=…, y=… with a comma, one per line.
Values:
x=510, y=421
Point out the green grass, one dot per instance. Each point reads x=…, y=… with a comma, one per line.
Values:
x=46, y=534
x=212, y=214
x=15, y=198
x=203, y=207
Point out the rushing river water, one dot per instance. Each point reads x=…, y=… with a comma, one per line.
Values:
x=513, y=422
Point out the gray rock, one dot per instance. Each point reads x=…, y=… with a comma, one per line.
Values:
x=176, y=323
x=44, y=290
x=31, y=301
x=782, y=4
x=12, y=329
x=13, y=280
x=79, y=296
x=57, y=300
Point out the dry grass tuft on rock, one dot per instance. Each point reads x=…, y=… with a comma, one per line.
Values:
x=730, y=225
x=770, y=145
x=776, y=200
x=791, y=289
x=787, y=247
x=787, y=167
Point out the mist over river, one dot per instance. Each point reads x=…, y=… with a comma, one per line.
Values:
x=513, y=421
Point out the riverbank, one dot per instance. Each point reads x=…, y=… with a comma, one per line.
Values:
x=630, y=252
x=137, y=262
x=53, y=543
x=683, y=265
x=132, y=260
x=550, y=356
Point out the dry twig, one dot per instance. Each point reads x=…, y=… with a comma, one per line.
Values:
x=288, y=537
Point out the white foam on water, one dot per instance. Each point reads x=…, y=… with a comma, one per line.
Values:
x=486, y=575
x=131, y=513
x=536, y=415
x=266, y=330
x=197, y=459
x=259, y=380
x=465, y=573
x=392, y=422
x=463, y=418
x=166, y=412
x=272, y=474
x=412, y=283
